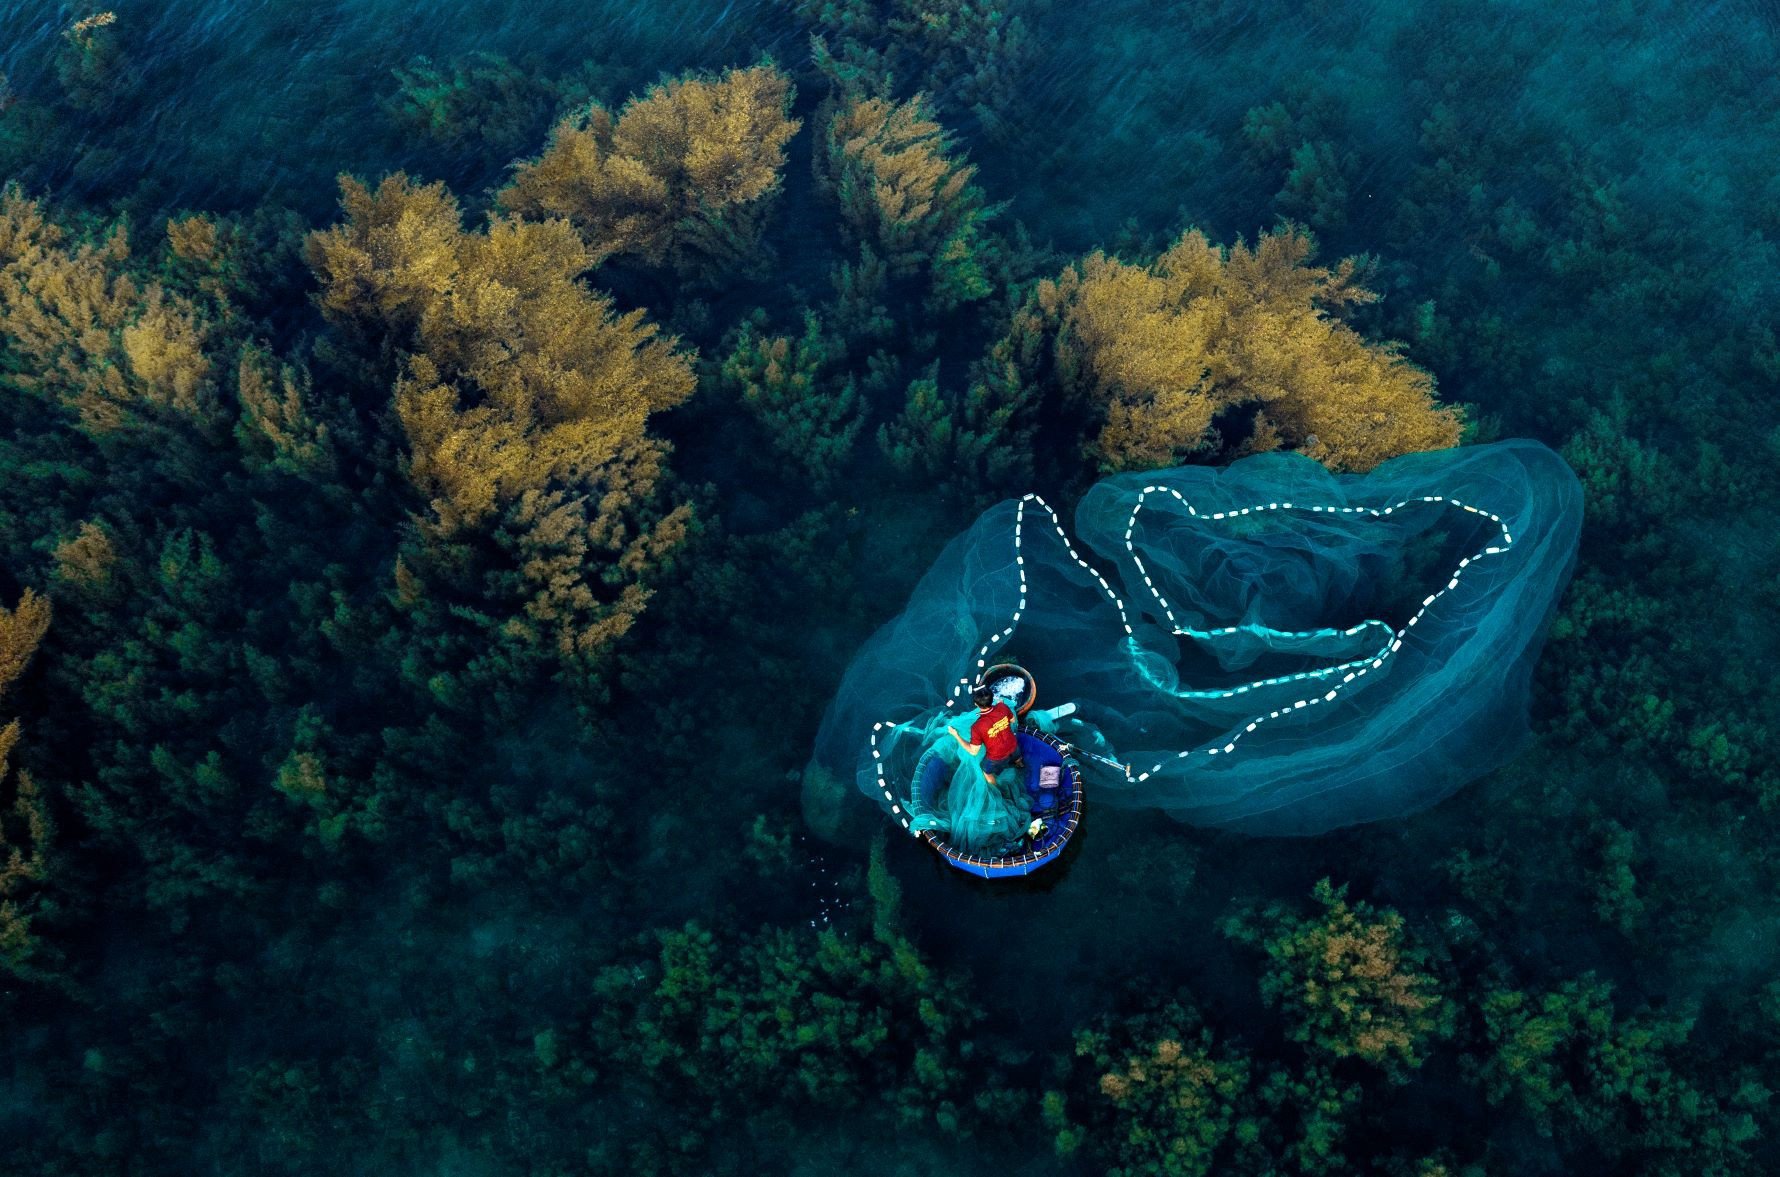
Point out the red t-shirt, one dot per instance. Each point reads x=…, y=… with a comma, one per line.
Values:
x=994, y=730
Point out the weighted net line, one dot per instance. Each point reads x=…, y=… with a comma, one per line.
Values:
x=1354, y=669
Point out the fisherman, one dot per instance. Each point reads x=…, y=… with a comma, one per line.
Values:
x=993, y=730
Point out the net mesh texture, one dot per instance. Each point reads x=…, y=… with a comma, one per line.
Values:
x=1265, y=646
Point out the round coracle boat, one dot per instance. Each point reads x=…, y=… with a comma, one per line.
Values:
x=1052, y=785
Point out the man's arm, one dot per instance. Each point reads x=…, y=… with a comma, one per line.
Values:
x=967, y=746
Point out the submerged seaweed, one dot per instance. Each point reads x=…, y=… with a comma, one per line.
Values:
x=449, y=453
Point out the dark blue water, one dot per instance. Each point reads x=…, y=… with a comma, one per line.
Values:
x=322, y=873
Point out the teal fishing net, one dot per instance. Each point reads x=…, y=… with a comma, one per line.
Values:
x=964, y=798
x=975, y=813
x=1265, y=646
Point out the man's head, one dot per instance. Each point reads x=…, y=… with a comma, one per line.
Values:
x=983, y=697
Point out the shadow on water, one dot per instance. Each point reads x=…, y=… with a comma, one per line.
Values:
x=1122, y=910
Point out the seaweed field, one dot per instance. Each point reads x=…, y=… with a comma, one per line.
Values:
x=450, y=454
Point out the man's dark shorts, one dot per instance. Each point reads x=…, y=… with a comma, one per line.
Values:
x=992, y=768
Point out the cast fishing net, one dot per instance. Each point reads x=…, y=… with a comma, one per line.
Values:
x=1266, y=646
